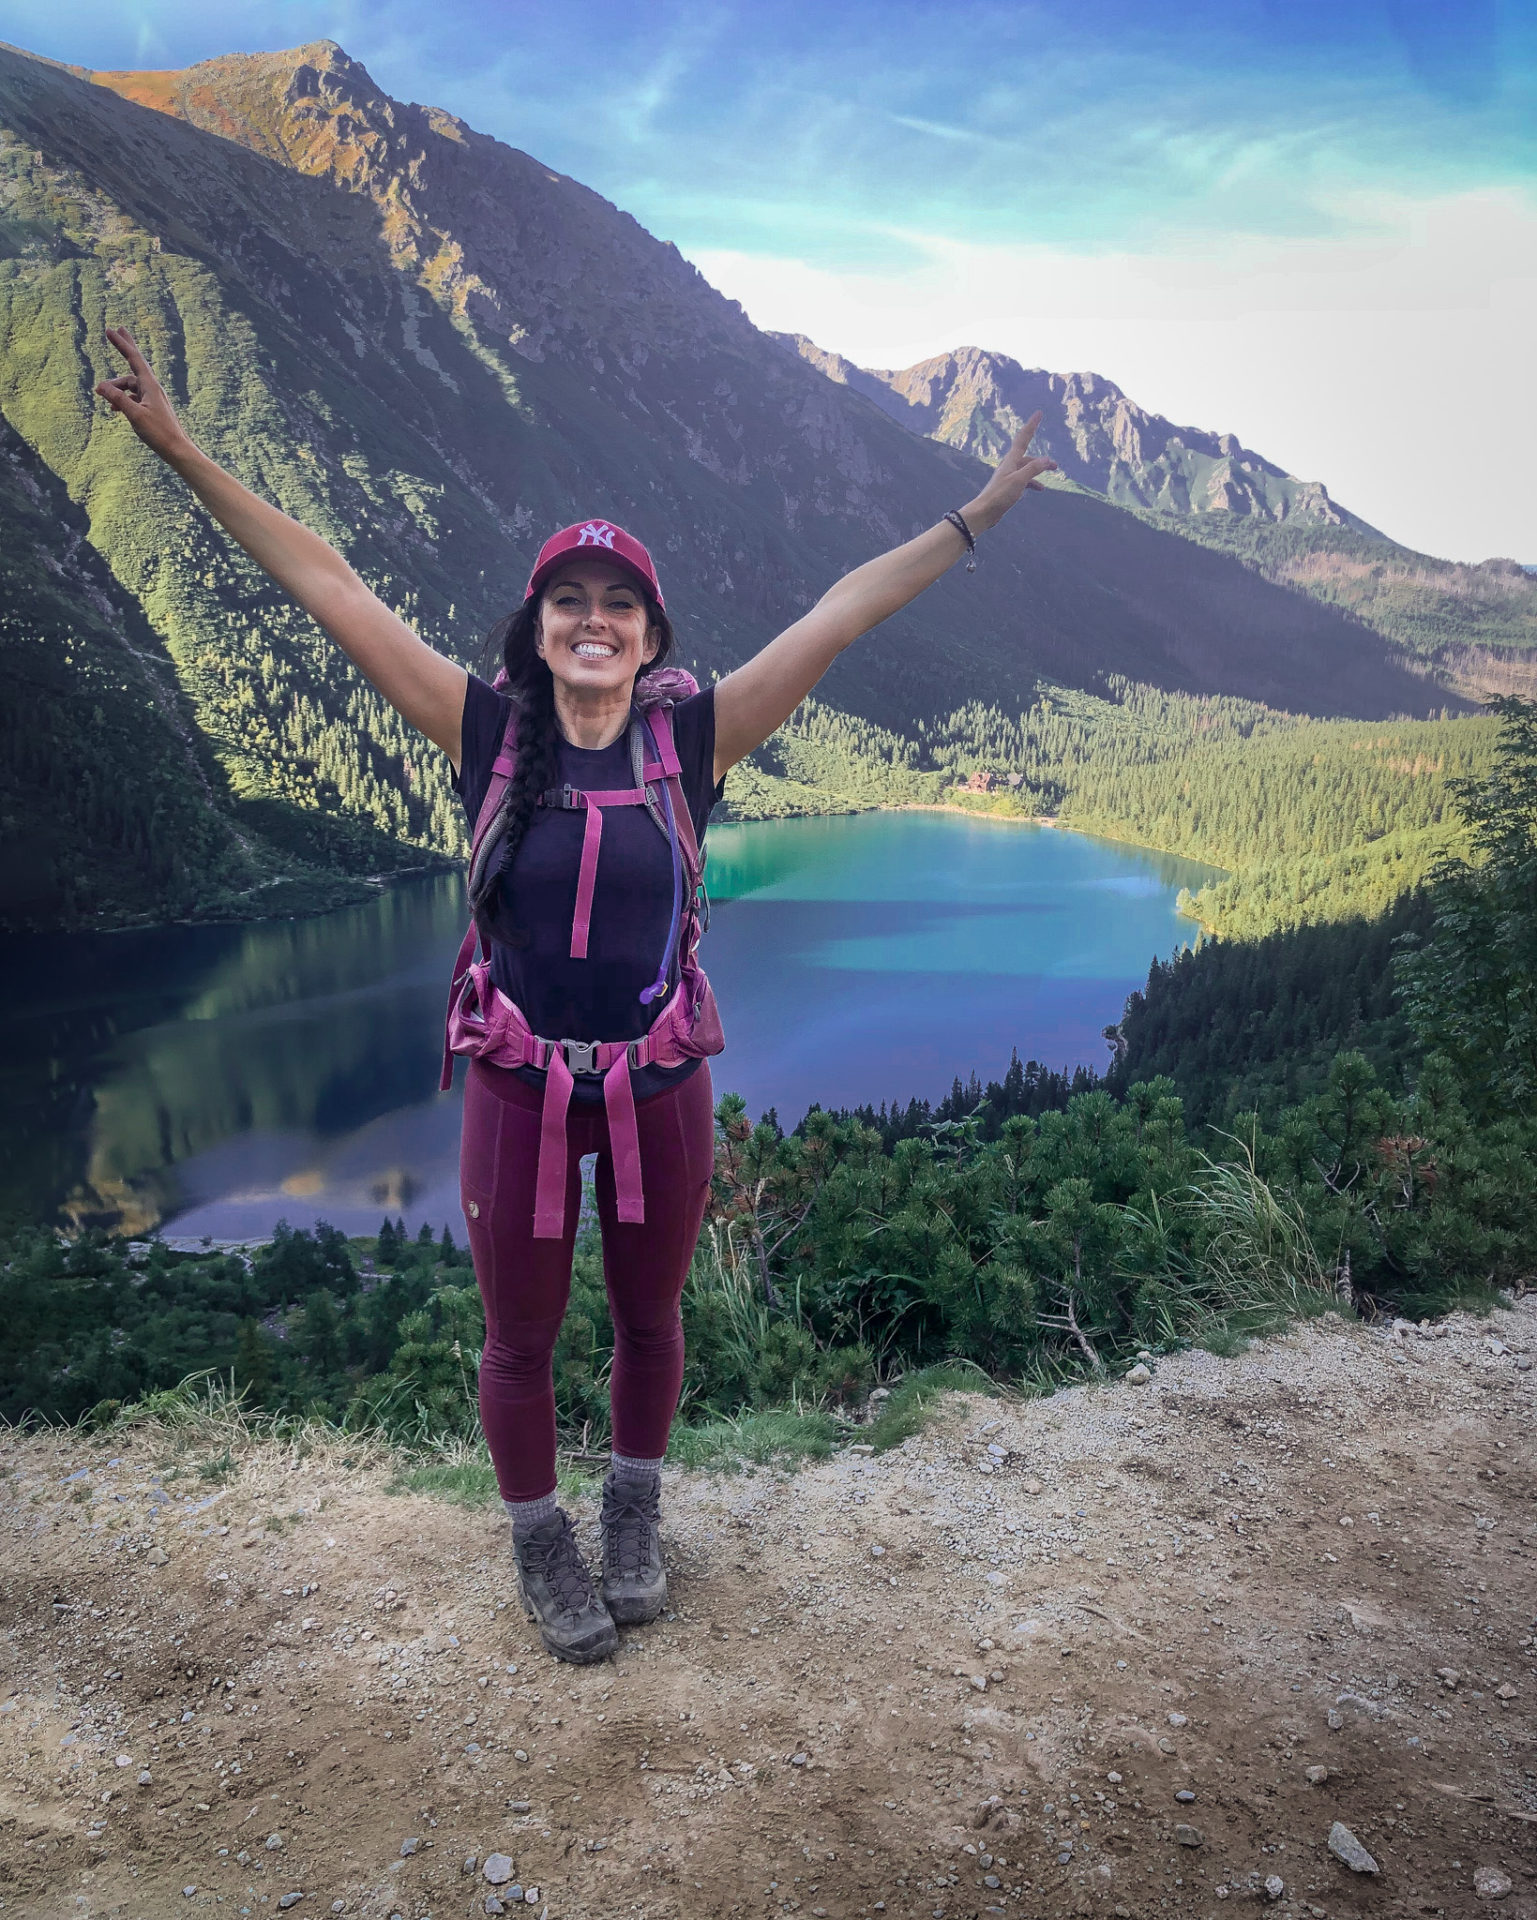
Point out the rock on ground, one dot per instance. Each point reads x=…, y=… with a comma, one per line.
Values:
x=1153, y=1585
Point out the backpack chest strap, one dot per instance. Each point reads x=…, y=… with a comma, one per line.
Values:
x=592, y=801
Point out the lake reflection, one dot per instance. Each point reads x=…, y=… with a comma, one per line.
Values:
x=215, y=1079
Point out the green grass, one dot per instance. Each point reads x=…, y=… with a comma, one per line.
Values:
x=911, y=1405
x=470, y=1480
x=462, y=1483
x=781, y=1437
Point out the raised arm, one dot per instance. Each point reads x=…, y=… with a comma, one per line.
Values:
x=419, y=682
x=761, y=694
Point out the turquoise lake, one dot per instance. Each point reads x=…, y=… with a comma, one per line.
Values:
x=212, y=1080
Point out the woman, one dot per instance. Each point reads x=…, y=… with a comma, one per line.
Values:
x=573, y=723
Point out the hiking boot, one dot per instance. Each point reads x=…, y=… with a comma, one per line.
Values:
x=557, y=1594
x=634, y=1582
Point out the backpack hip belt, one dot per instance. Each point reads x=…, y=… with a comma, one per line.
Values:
x=486, y=1025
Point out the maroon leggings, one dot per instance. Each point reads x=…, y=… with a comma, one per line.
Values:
x=525, y=1283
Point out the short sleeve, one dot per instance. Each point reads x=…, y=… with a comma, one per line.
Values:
x=481, y=728
x=693, y=734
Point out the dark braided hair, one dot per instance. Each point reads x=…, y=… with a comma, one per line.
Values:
x=537, y=742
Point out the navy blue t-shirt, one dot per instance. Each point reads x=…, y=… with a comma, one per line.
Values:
x=597, y=998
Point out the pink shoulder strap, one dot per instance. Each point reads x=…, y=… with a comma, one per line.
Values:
x=503, y=767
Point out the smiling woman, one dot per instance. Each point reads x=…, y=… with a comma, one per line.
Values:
x=588, y=771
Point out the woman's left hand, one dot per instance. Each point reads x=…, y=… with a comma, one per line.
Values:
x=1017, y=473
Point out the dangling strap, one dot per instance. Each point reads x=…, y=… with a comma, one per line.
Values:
x=623, y=1139
x=624, y=1142
x=550, y=1182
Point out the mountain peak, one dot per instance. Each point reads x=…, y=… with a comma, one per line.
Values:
x=977, y=401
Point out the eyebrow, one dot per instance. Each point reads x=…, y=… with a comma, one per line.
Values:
x=614, y=586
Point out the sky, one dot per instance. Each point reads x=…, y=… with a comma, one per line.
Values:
x=1312, y=223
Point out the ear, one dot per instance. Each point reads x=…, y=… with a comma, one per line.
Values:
x=653, y=643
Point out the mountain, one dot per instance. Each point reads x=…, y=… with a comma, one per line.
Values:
x=432, y=349
x=1475, y=625
x=978, y=401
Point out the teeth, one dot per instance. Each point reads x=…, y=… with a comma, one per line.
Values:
x=590, y=650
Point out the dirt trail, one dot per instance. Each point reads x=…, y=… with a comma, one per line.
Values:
x=971, y=1676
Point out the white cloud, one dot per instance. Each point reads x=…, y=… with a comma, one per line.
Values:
x=1397, y=369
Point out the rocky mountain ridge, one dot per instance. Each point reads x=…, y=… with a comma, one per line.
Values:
x=1099, y=436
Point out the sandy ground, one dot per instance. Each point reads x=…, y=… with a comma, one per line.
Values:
x=1128, y=1651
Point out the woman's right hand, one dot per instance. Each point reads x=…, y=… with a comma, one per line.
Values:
x=143, y=402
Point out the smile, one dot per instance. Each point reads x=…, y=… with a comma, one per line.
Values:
x=593, y=650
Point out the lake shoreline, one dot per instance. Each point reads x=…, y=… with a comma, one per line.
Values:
x=351, y=890
x=225, y=1077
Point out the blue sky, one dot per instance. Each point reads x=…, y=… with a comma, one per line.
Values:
x=1311, y=224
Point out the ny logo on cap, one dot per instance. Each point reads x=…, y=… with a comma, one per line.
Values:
x=596, y=533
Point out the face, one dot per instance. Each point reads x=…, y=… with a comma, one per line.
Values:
x=593, y=631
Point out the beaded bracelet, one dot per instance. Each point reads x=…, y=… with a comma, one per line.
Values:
x=956, y=520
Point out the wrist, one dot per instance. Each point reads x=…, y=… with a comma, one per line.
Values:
x=185, y=457
x=981, y=515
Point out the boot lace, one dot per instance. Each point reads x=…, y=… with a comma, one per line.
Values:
x=559, y=1564
x=629, y=1526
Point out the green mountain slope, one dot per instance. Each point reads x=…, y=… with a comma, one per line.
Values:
x=1474, y=626
x=432, y=349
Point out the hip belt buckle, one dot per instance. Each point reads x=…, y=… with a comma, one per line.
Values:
x=581, y=1055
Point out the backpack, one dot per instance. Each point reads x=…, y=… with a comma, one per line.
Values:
x=485, y=1025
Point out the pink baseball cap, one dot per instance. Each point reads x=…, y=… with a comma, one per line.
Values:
x=606, y=542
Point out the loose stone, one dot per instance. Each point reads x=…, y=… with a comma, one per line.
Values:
x=1184, y=1795
x=1178, y=1720
x=1316, y=1776
x=1188, y=1836
x=1275, y=1886
x=1138, y=1376
x=1345, y=1846
x=408, y=1847
x=498, y=1869
x=290, y=1900
x=1491, y=1883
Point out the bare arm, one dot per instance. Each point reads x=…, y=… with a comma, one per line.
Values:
x=419, y=682
x=760, y=695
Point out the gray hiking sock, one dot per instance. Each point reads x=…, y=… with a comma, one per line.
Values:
x=525, y=1515
x=624, y=1469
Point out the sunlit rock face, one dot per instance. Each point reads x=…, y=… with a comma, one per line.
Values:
x=1099, y=437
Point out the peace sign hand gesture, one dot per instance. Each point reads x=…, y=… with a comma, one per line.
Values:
x=1017, y=473
x=143, y=402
